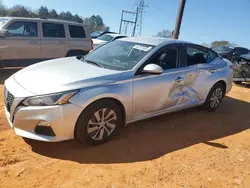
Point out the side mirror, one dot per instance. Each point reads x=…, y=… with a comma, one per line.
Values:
x=152, y=69
x=3, y=33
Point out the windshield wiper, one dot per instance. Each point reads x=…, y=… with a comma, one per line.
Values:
x=93, y=63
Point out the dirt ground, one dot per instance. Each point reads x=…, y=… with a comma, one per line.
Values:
x=191, y=148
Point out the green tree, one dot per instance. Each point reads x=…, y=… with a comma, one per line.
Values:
x=19, y=11
x=68, y=16
x=99, y=21
x=3, y=10
x=219, y=43
x=164, y=34
x=77, y=18
x=53, y=14
x=43, y=12
x=62, y=15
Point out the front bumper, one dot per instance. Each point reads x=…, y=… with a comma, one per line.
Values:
x=61, y=118
x=24, y=119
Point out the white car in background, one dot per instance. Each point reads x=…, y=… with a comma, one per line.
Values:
x=103, y=39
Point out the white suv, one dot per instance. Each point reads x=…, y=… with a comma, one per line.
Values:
x=25, y=41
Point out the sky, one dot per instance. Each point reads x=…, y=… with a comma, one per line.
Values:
x=203, y=21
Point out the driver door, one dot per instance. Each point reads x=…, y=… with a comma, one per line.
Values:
x=154, y=94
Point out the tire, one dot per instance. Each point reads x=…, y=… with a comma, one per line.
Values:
x=214, y=98
x=89, y=131
x=237, y=82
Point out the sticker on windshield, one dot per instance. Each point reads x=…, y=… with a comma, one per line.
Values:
x=142, y=48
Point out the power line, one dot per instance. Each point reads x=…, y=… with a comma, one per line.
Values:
x=139, y=21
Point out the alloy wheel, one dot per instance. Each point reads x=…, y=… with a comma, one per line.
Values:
x=102, y=124
x=216, y=98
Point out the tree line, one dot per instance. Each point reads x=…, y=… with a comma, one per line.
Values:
x=94, y=22
x=165, y=33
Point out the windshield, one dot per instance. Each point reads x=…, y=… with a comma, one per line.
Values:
x=105, y=38
x=222, y=49
x=96, y=34
x=119, y=55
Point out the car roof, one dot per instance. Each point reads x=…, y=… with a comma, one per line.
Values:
x=154, y=41
x=42, y=19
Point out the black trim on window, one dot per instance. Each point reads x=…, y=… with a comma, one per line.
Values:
x=198, y=47
x=57, y=32
x=76, y=31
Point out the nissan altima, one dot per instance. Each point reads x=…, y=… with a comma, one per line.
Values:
x=91, y=98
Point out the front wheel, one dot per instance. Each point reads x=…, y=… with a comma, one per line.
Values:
x=214, y=98
x=100, y=122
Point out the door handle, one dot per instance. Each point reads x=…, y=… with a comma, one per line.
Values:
x=179, y=79
x=33, y=42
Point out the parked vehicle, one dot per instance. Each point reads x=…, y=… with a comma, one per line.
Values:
x=97, y=34
x=130, y=79
x=230, y=52
x=25, y=41
x=242, y=69
x=99, y=41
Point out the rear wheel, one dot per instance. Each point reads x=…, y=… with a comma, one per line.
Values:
x=99, y=123
x=214, y=98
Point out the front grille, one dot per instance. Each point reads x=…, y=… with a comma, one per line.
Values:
x=8, y=99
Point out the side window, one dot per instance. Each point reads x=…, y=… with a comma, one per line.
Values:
x=53, y=30
x=211, y=56
x=76, y=31
x=22, y=29
x=195, y=55
x=166, y=58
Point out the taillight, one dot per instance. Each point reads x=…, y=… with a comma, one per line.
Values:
x=233, y=67
x=92, y=44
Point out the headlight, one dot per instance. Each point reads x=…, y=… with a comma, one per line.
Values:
x=48, y=100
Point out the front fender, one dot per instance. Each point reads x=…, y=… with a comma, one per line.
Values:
x=122, y=92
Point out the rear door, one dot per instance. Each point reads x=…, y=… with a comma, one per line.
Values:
x=202, y=70
x=54, y=41
x=22, y=45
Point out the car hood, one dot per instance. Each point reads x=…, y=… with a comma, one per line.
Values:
x=63, y=74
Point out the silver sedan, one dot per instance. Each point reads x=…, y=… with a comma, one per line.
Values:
x=91, y=98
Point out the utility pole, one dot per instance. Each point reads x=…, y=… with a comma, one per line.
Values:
x=179, y=19
x=140, y=11
x=125, y=22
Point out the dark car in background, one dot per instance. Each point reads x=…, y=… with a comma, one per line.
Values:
x=229, y=52
x=97, y=34
x=241, y=69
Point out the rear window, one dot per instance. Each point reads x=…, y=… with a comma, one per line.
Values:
x=105, y=38
x=53, y=30
x=225, y=49
x=76, y=31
